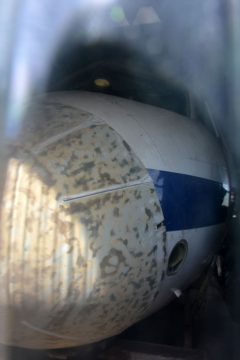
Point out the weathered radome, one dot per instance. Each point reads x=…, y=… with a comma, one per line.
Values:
x=93, y=211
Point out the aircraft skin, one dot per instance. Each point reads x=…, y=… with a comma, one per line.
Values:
x=99, y=191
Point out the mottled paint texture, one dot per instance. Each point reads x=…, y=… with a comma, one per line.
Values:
x=75, y=269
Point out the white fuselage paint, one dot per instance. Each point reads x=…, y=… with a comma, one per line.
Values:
x=84, y=247
x=167, y=141
x=162, y=140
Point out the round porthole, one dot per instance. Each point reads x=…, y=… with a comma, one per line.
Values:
x=177, y=257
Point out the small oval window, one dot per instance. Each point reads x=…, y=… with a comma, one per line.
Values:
x=177, y=257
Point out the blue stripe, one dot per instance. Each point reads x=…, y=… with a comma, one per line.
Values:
x=188, y=201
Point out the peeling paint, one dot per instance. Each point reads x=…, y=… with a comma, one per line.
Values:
x=78, y=223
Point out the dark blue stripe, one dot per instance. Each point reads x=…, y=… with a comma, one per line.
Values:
x=188, y=201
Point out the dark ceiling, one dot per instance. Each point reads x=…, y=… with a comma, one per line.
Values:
x=128, y=72
x=156, y=52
